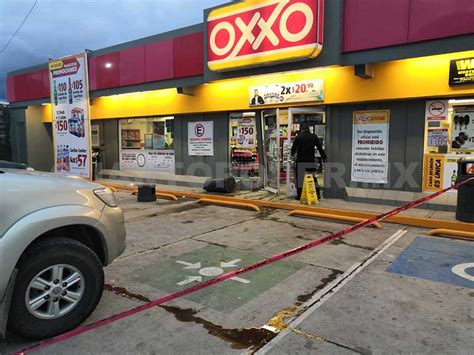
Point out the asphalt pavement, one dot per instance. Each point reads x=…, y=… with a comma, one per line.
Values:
x=389, y=290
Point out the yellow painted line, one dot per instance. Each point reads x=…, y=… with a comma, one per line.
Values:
x=229, y=203
x=166, y=195
x=331, y=216
x=428, y=223
x=452, y=232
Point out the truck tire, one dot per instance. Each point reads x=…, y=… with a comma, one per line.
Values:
x=59, y=284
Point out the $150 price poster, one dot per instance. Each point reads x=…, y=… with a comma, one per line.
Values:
x=70, y=107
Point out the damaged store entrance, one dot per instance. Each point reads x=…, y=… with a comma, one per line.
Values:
x=279, y=128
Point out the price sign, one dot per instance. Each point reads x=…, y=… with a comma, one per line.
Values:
x=247, y=133
x=304, y=91
x=438, y=137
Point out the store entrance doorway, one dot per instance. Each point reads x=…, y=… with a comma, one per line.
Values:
x=279, y=128
x=315, y=118
x=271, y=146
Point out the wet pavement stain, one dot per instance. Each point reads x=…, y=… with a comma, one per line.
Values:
x=252, y=338
x=294, y=225
x=265, y=212
x=126, y=293
x=240, y=339
x=324, y=282
x=343, y=242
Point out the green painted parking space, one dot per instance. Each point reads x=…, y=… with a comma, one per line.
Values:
x=208, y=262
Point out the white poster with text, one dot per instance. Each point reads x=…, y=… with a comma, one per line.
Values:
x=370, y=143
x=70, y=109
x=201, y=138
x=148, y=159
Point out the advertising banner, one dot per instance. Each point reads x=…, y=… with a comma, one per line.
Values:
x=461, y=72
x=304, y=91
x=437, y=110
x=370, y=143
x=462, y=133
x=156, y=160
x=201, y=138
x=70, y=108
x=434, y=172
x=441, y=171
x=246, y=133
x=251, y=33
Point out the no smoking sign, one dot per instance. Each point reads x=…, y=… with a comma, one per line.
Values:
x=437, y=110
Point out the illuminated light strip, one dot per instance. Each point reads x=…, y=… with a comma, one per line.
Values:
x=240, y=271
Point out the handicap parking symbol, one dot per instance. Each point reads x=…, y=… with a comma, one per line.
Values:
x=439, y=260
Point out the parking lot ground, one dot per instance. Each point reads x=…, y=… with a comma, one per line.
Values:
x=358, y=294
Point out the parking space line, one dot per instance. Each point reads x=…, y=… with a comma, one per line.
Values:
x=324, y=294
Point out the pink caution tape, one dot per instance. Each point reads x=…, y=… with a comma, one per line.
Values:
x=235, y=273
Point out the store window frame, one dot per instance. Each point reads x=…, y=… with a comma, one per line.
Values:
x=152, y=150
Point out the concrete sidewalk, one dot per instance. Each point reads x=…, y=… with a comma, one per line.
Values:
x=422, y=211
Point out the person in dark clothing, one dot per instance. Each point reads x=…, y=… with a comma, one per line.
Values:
x=257, y=99
x=303, y=147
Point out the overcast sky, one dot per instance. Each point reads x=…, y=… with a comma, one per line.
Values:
x=56, y=28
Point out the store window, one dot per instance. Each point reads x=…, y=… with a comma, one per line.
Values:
x=449, y=136
x=147, y=144
x=243, y=145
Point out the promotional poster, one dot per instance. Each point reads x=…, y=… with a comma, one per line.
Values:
x=307, y=91
x=70, y=109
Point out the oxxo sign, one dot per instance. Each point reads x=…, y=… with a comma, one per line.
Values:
x=257, y=32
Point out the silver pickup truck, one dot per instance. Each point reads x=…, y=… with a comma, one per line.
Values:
x=56, y=234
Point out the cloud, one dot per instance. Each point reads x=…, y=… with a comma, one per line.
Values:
x=59, y=28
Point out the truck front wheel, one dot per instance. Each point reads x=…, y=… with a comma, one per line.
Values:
x=59, y=283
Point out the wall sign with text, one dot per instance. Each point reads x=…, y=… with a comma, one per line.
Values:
x=70, y=108
x=252, y=33
x=370, y=143
x=201, y=138
x=304, y=91
x=461, y=72
x=148, y=159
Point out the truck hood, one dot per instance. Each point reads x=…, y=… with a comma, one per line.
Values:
x=23, y=192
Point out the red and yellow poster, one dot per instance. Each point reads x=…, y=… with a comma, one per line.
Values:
x=434, y=172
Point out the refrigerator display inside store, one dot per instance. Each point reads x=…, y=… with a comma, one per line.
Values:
x=243, y=145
